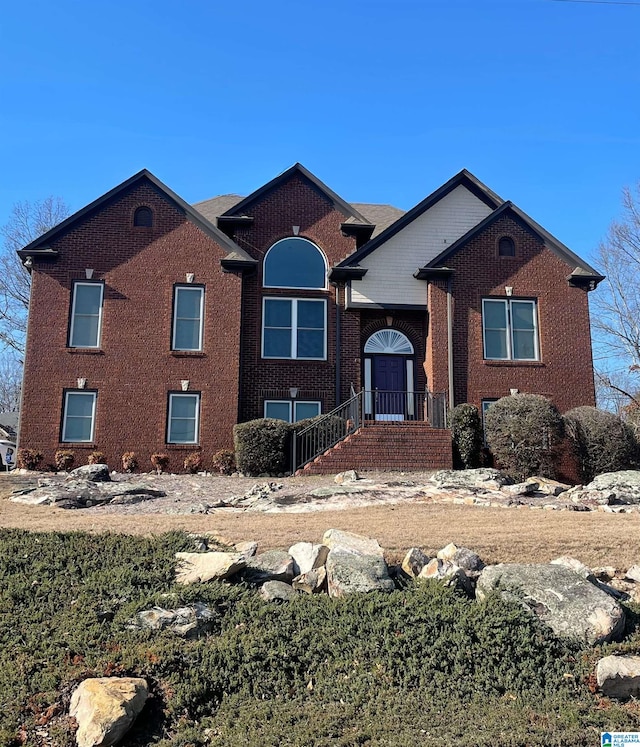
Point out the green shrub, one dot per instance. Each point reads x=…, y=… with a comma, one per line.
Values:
x=523, y=432
x=601, y=441
x=64, y=459
x=224, y=462
x=28, y=458
x=262, y=446
x=466, y=433
x=193, y=462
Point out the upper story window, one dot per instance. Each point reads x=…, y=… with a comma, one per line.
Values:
x=506, y=247
x=188, y=307
x=86, y=315
x=143, y=217
x=295, y=263
x=510, y=330
x=294, y=328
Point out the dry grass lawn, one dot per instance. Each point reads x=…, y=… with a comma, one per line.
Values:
x=498, y=535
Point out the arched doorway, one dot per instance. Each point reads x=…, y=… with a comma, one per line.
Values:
x=389, y=376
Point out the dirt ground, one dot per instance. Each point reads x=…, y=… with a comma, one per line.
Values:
x=496, y=534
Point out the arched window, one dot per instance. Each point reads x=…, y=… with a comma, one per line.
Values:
x=506, y=247
x=143, y=217
x=295, y=263
x=388, y=341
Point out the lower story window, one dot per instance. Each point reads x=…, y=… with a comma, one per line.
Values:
x=284, y=409
x=79, y=417
x=486, y=404
x=184, y=417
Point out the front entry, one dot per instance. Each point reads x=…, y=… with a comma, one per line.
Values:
x=389, y=387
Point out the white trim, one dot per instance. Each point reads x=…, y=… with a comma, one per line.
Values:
x=277, y=402
x=191, y=395
x=368, y=386
x=89, y=440
x=410, y=394
x=388, y=342
x=508, y=302
x=296, y=287
x=99, y=285
x=293, y=347
x=176, y=292
x=306, y=402
x=293, y=406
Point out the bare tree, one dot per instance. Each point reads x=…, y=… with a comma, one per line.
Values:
x=616, y=307
x=27, y=222
x=10, y=381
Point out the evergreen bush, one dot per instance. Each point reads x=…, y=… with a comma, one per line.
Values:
x=262, y=446
x=466, y=433
x=523, y=432
x=601, y=441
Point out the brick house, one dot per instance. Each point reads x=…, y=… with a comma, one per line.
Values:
x=156, y=325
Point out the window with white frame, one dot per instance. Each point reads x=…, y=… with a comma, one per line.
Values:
x=486, y=404
x=86, y=315
x=78, y=418
x=184, y=418
x=284, y=409
x=295, y=263
x=510, y=329
x=294, y=328
x=188, y=305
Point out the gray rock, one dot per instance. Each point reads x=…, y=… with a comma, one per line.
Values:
x=570, y=605
x=277, y=591
x=311, y=582
x=349, y=475
x=273, y=565
x=350, y=572
x=308, y=556
x=619, y=676
x=633, y=574
x=93, y=472
x=448, y=574
x=521, y=488
x=414, y=561
x=188, y=622
x=105, y=708
x=625, y=484
x=484, y=478
x=194, y=567
x=248, y=548
x=461, y=557
x=351, y=542
x=546, y=486
x=577, y=566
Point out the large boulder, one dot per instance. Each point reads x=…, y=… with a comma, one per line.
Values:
x=208, y=566
x=105, y=708
x=273, y=565
x=349, y=572
x=93, y=472
x=625, y=485
x=484, y=478
x=351, y=542
x=188, y=622
x=308, y=556
x=570, y=605
x=619, y=676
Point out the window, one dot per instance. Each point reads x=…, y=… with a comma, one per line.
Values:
x=281, y=410
x=187, y=318
x=486, y=404
x=86, y=315
x=143, y=217
x=295, y=263
x=510, y=330
x=79, y=417
x=506, y=247
x=294, y=328
x=184, y=416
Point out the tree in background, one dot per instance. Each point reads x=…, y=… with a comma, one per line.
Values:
x=10, y=381
x=27, y=222
x=616, y=309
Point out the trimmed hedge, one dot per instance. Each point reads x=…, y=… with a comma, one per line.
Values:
x=523, y=432
x=262, y=446
x=602, y=441
x=466, y=434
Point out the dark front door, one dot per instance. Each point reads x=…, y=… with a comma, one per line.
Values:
x=389, y=384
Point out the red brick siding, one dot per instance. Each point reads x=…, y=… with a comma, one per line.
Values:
x=135, y=368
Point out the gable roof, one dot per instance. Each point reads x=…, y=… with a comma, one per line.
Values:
x=40, y=246
x=581, y=268
x=463, y=178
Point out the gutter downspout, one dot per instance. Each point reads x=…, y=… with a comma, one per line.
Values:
x=450, y=340
x=338, y=345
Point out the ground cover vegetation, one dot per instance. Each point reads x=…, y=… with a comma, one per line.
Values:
x=420, y=666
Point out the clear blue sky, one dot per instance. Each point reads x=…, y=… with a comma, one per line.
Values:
x=383, y=100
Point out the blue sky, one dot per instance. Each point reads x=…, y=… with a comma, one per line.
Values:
x=384, y=101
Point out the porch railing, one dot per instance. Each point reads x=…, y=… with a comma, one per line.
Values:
x=361, y=408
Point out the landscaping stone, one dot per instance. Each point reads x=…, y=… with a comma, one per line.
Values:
x=349, y=572
x=308, y=556
x=577, y=566
x=624, y=485
x=350, y=542
x=93, y=472
x=570, y=605
x=208, y=566
x=521, y=488
x=349, y=475
x=484, y=478
x=79, y=493
x=461, y=557
x=105, y=708
x=188, y=622
x=277, y=591
x=619, y=676
x=274, y=565
x=414, y=561
x=447, y=573
x=311, y=582
x=550, y=487
x=633, y=574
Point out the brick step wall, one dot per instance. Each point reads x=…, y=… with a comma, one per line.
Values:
x=395, y=446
